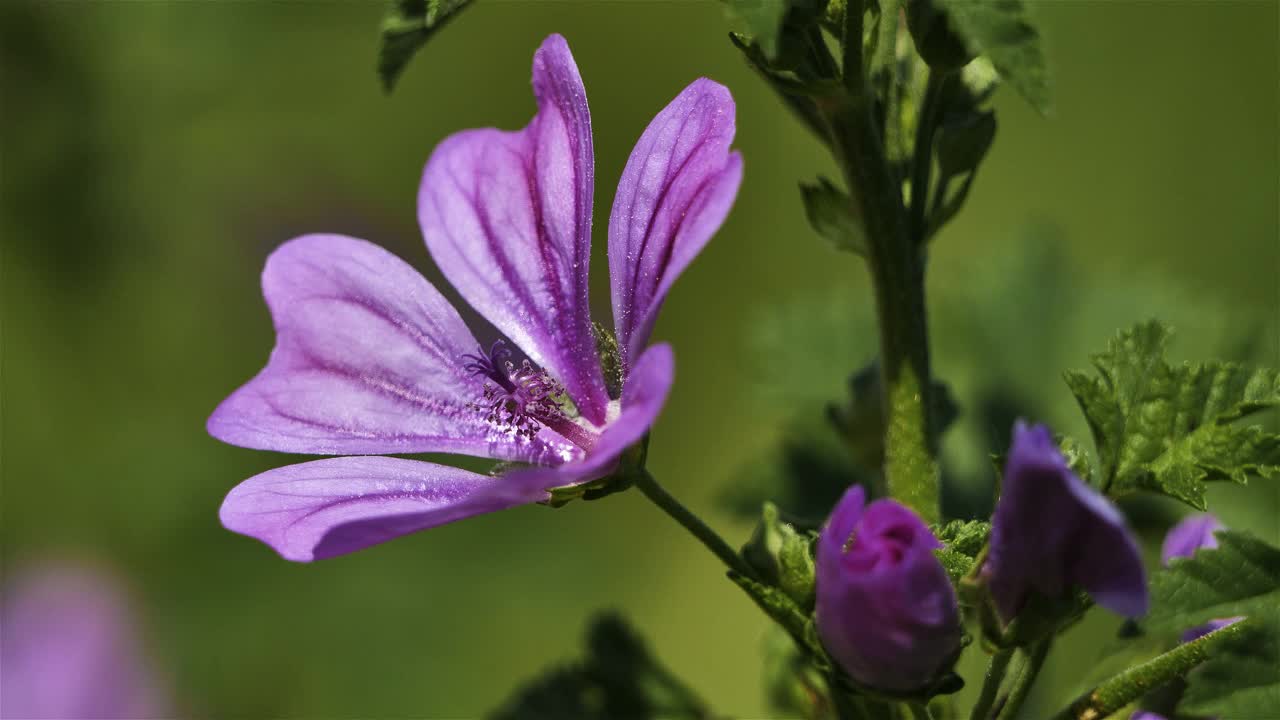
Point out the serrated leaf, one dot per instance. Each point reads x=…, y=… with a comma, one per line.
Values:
x=1170, y=429
x=407, y=26
x=830, y=213
x=1241, y=577
x=1003, y=31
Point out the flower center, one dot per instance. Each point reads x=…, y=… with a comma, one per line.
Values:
x=522, y=399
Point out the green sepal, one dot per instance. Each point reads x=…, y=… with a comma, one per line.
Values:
x=610, y=359
x=782, y=556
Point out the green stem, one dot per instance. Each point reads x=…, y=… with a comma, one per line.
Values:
x=919, y=711
x=922, y=155
x=996, y=670
x=1026, y=679
x=897, y=273
x=691, y=522
x=1114, y=694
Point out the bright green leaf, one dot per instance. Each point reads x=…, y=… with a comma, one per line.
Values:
x=1239, y=578
x=407, y=26
x=1171, y=429
x=963, y=540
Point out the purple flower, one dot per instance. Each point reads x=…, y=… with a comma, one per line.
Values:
x=1051, y=531
x=371, y=360
x=886, y=610
x=1146, y=715
x=1183, y=540
x=68, y=649
x=1190, y=534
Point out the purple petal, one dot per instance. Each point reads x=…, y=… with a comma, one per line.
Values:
x=1190, y=534
x=368, y=359
x=674, y=193
x=643, y=396
x=507, y=217
x=68, y=649
x=330, y=507
x=1051, y=531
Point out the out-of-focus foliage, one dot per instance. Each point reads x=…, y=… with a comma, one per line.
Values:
x=617, y=678
x=408, y=25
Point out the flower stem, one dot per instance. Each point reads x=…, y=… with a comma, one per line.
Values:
x=897, y=272
x=996, y=670
x=691, y=522
x=1137, y=681
x=1026, y=678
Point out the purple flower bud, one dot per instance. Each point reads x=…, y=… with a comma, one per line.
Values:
x=1146, y=715
x=1189, y=535
x=1051, y=532
x=886, y=610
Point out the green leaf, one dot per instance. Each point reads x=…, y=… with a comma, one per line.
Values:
x=1241, y=577
x=1003, y=31
x=618, y=678
x=1171, y=429
x=779, y=27
x=407, y=26
x=830, y=213
x=963, y=539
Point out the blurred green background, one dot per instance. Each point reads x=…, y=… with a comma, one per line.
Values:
x=154, y=153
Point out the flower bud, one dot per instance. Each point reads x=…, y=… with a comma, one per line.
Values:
x=886, y=611
x=1051, y=532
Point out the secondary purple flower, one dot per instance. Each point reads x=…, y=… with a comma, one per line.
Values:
x=1190, y=534
x=371, y=360
x=1182, y=541
x=68, y=649
x=886, y=610
x=1051, y=531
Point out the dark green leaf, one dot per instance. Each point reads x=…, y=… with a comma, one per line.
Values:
x=1171, y=429
x=1003, y=31
x=780, y=27
x=407, y=26
x=830, y=213
x=618, y=678
x=1239, y=578
x=963, y=142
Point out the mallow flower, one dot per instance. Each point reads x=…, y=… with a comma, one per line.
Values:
x=69, y=649
x=886, y=610
x=1182, y=541
x=1051, y=532
x=371, y=360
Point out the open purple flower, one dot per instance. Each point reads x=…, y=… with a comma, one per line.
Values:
x=886, y=611
x=69, y=649
x=370, y=359
x=1051, y=531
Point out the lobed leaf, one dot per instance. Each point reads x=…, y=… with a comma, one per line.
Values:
x=1171, y=429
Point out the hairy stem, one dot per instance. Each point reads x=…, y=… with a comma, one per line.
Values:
x=1138, y=680
x=691, y=522
x=996, y=670
x=1026, y=679
x=897, y=273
